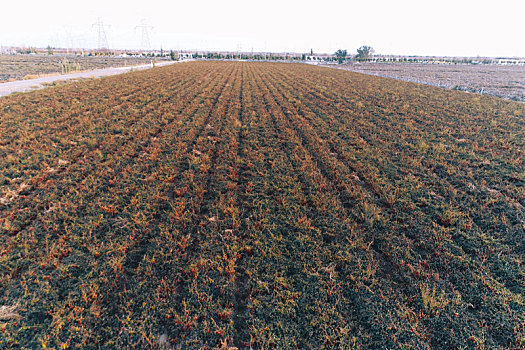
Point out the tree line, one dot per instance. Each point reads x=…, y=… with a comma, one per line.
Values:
x=364, y=53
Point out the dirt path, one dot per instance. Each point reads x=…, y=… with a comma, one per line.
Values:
x=39, y=83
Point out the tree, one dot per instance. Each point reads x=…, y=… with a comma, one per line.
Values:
x=341, y=55
x=364, y=53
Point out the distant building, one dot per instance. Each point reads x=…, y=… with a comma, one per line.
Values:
x=510, y=61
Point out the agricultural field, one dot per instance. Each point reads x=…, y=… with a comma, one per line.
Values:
x=495, y=80
x=224, y=205
x=16, y=67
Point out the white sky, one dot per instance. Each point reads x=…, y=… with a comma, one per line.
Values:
x=419, y=27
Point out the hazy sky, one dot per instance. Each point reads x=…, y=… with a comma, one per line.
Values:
x=440, y=27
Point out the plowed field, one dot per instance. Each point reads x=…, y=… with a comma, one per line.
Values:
x=260, y=206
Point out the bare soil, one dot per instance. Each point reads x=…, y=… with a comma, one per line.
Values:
x=16, y=67
x=496, y=80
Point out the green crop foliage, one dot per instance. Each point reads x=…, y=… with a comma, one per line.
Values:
x=223, y=205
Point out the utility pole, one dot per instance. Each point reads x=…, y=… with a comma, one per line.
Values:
x=145, y=43
x=102, y=38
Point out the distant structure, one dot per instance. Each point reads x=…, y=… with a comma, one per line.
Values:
x=69, y=39
x=102, y=38
x=145, y=43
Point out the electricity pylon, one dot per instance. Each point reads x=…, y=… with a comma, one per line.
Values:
x=102, y=38
x=145, y=43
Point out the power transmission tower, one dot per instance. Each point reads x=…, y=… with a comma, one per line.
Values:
x=69, y=39
x=145, y=43
x=102, y=38
x=239, y=49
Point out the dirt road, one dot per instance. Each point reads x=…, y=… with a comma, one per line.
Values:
x=39, y=83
